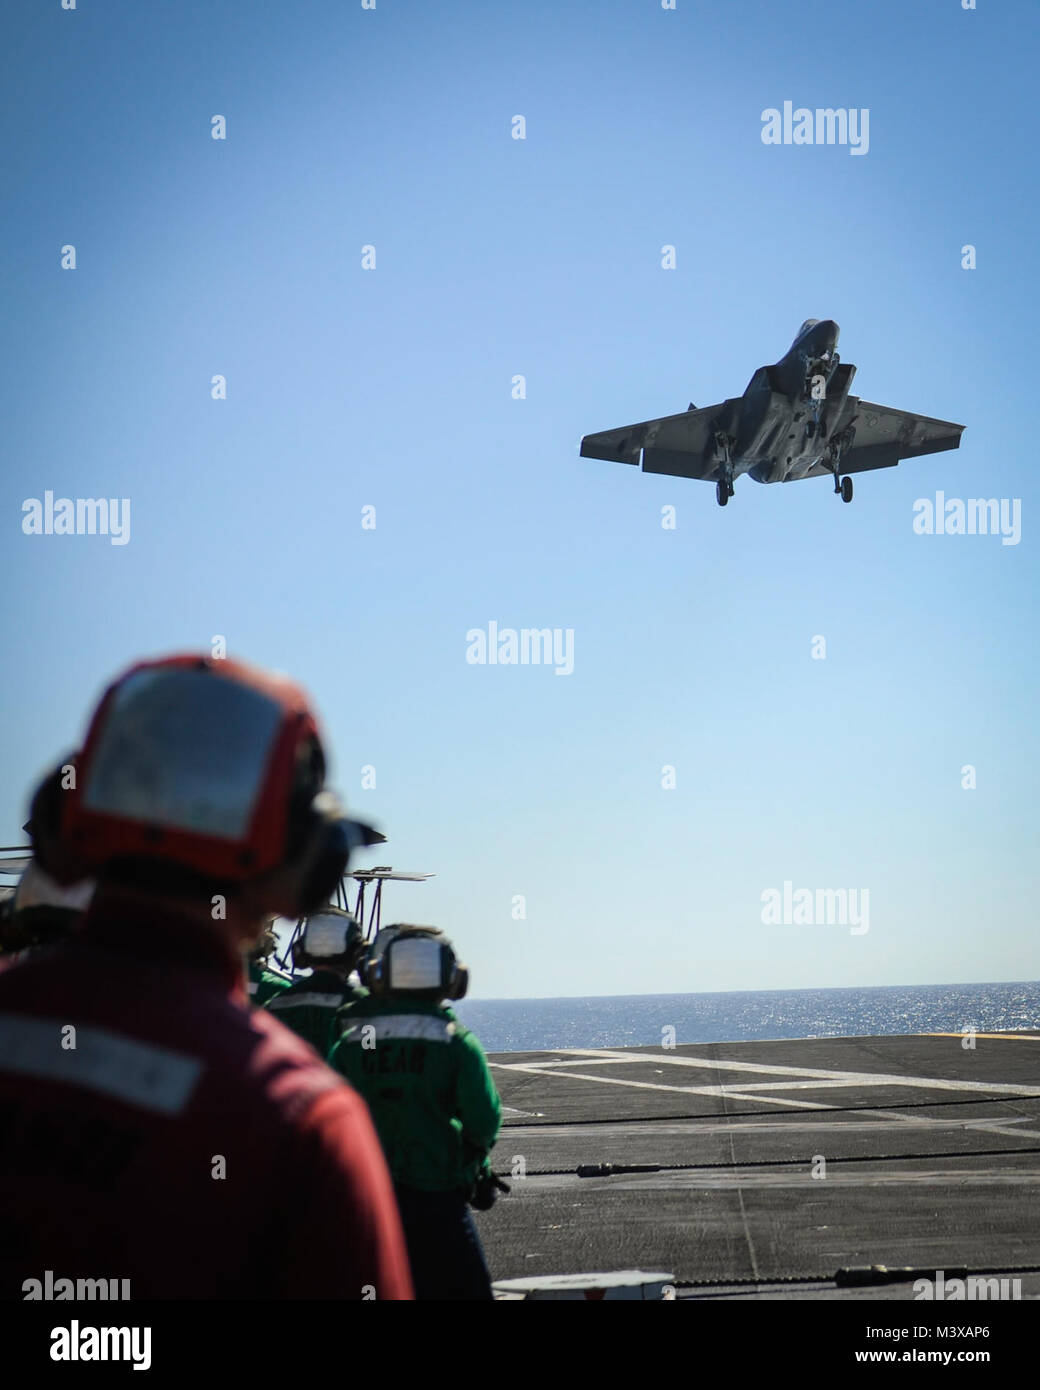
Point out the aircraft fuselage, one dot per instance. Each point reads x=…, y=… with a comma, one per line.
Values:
x=781, y=425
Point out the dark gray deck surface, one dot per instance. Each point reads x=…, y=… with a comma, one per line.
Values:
x=932, y=1161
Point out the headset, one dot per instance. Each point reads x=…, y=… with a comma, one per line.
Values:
x=415, y=961
x=199, y=776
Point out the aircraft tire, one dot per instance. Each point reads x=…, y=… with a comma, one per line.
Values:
x=846, y=489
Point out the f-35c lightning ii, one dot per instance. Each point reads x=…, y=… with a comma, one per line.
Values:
x=795, y=420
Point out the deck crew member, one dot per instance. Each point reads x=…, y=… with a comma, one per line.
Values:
x=41, y=912
x=150, y=1119
x=263, y=983
x=433, y=1101
x=330, y=945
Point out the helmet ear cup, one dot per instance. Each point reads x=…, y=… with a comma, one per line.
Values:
x=308, y=881
x=459, y=983
x=317, y=841
x=327, y=863
x=51, y=849
x=374, y=976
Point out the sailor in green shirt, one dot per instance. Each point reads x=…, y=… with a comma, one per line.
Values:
x=263, y=983
x=432, y=1099
x=330, y=945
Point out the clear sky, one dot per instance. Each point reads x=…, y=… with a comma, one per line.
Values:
x=392, y=388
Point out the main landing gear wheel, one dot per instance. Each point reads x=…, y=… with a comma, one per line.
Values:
x=724, y=487
x=839, y=446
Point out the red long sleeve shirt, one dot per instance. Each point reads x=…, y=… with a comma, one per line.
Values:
x=155, y=1128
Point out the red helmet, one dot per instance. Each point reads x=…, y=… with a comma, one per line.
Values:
x=205, y=765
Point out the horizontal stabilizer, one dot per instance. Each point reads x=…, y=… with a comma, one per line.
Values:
x=910, y=435
x=682, y=445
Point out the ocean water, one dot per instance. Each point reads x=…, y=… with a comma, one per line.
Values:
x=637, y=1020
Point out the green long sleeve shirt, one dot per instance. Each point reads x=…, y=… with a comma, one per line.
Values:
x=428, y=1087
x=263, y=984
x=310, y=1007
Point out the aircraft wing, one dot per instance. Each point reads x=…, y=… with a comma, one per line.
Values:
x=884, y=436
x=680, y=445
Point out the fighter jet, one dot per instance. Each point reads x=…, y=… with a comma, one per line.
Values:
x=795, y=420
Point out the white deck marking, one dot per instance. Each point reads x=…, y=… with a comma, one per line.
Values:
x=834, y=1084
x=569, y=1062
x=822, y=1076
x=809, y=1078
x=738, y=1178
x=873, y=1121
x=658, y=1086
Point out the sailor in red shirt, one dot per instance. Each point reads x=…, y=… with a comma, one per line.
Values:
x=153, y=1127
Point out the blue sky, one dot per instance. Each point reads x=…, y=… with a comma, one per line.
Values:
x=391, y=388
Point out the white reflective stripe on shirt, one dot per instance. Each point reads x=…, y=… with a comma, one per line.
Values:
x=143, y=1074
x=406, y=1026
x=294, y=1001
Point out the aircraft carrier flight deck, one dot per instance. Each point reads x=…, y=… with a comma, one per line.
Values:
x=784, y=1169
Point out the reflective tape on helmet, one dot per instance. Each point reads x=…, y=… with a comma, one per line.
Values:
x=415, y=963
x=329, y=934
x=183, y=750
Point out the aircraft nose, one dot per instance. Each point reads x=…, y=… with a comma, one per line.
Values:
x=821, y=339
